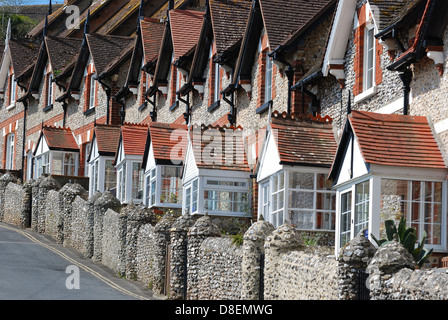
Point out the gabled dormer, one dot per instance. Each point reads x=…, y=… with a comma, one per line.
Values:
x=216, y=52
x=180, y=37
x=48, y=78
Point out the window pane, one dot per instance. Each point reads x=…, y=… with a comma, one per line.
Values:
x=346, y=208
x=110, y=178
x=302, y=219
x=325, y=221
x=137, y=181
x=323, y=183
x=362, y=197
x=171, y=184
x=301, y=200
x=56, y=163
x=299, y=180
x=326, y=201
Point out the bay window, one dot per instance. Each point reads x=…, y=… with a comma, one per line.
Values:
x=163, y=186
x=421, y=203
x=56, y=163
x=304, y=199
x=129, y=181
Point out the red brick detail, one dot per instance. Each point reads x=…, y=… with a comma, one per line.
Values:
x=173, y=84
x=142, y=87
x=115, y=107
x=211, y=82
x=261, y=76
x=359, y=60
x=378, y=69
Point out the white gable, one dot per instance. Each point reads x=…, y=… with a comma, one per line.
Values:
x=42, y=146
x=4, y=70
x=93, y=150
x=340, y=33
x=359, y=166
x=190, y=167
x=150, y=161
x=269, y=159
x=120, y=156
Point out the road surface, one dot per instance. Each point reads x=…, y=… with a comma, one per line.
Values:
x=34, y=267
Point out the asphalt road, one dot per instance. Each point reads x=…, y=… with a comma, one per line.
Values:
x=34, y=267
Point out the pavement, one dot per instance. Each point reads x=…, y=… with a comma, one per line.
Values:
x=34, y=267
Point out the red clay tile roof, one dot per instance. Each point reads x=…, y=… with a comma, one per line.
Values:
x=165, y=137
x=185, y=30
x=134, y=139
x=396, y=140
x=107, y=138
x=59, y=138
x=152, y=33
x=304, y=139
x=219, y=154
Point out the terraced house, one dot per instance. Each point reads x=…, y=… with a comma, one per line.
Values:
x=328, y=115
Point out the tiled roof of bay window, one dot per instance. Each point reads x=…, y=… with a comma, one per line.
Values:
x=59, y=138
x=304, y=139
x=396, y=140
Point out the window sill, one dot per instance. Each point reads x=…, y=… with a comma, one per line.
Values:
x=214, y=106
x=89, y=111
x=174, y=106
x=264, y=107
x=48, y=108
x=11, y=106
x=143, y=106
x=366, y=94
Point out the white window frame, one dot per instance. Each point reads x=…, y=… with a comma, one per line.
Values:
x=189, y=193
x=92, y=91
x=369, y=34
x=280, y=216
x=375, y=199
x=217, y=84
x=50, y=92
x=125, y=181
x=239, y=186
x=268, y=79
x=10, y=151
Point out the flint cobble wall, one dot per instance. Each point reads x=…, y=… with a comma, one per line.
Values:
x=204, y=265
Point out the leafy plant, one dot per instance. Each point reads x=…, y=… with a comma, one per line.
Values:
x=310, y=240
x=407, y=236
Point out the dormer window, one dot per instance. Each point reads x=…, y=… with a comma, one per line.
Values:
x=369, y=58
x=50, y=92
x=216, y=94
x=268, y=79
x=92, y=92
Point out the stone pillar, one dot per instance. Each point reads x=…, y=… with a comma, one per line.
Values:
x=47, y=184
x=282, y=240
x=178, y=261
x=388, y=260
x=67, y=195
x=161, y=246
x=90, y=225
x=106, y=201
x=253, y=258
x=201, y=230
x=25, y=214
x=354, y=257
x=35, y=202
x=137, y=217
x=4, y=181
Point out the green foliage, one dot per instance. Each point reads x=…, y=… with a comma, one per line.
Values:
x=407, y=236
x=310, y=240
x=237, y=239
x=20, y=25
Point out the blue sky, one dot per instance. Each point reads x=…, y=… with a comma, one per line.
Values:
x=32, y=2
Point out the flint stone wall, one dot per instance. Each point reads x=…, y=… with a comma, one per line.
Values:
x=219, y=270
x=12, y=207
x=52, y=215
x=114, y=241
